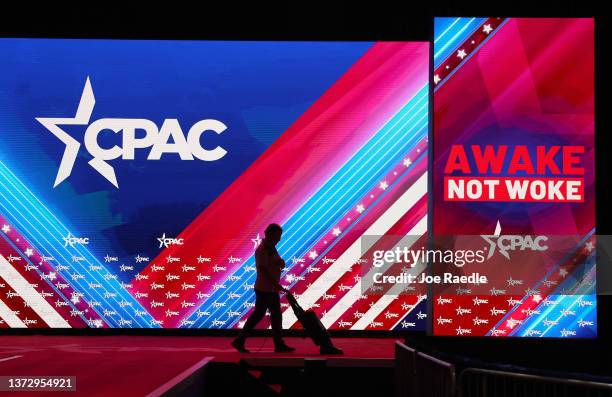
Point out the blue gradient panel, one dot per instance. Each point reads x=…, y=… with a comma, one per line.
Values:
x=256, y=88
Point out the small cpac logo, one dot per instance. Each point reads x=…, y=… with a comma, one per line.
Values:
x=167, y=241
x=70, y=240
x=505, y=243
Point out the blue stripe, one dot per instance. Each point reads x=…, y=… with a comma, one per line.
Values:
x=475, y=51
x=451, y=37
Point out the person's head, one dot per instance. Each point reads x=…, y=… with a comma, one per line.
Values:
x=273, y=233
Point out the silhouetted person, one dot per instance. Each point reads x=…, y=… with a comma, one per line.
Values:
x=269, y=265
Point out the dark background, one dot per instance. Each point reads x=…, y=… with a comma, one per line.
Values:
x=356, y=20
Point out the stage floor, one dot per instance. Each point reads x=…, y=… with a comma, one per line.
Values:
x=138, y=365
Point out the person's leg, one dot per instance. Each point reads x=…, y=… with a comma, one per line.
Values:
x=261, y=304
x=276, y=321
x=329, y=348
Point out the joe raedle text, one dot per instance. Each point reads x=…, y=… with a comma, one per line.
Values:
x=444, y=278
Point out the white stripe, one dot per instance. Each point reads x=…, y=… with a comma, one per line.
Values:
x=385, y=301
x=9, y=317
x=353, y=253
x=31, y=296
x=347, y=301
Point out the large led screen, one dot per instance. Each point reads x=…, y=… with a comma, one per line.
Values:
x=137, y=178
x=514, y=173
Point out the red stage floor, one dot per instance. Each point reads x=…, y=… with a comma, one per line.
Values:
x=137, y=365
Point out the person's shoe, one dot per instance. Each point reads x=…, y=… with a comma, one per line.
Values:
x=283, y=349
x=239, y=345
x=331, y=349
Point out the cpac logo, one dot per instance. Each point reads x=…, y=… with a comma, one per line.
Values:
x=166, y=241
x=70, y=240
x=154, y=137
x=513, y=242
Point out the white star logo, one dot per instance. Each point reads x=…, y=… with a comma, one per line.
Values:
x=360, y=208
x=461, y=53
x=512, y=323
x=487, y=28
x=492, y=240
x=336, y=232
x=29, y=252
x=383, y=185
x=82, y=116
x=436, y=79
x=312, y=254
x=407, y=162
x=96, y=323
x=6, y=228
x=162, y=240
x=589, y=246
x=256, y=241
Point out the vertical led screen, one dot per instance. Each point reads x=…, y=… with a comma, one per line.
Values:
x=137, y=177
x=514, y=170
